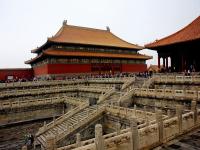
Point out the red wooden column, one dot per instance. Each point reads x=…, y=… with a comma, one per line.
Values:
x=182, y=63
x=158, y=61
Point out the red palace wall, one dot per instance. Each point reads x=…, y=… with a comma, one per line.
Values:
x=68, y=68
x=61, y=69
x=81, y=68
x=17, y=73
x=134, y=67
x=41, y=70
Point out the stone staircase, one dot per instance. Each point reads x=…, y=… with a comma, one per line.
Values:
x=127, y=83
x=78, y=120
x=106, y=95
x=114, y=99
x=71, y=122
x=125, y=97
x=148, y=83
x=139, y=82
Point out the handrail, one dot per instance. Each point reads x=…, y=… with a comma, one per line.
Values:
x=129, y=112
x=61, y=82
x=106, y=95
x=125, y=134
x=53, y=90
x=175, y=78
x=168, y=93
x=127, y=83
x=126, y=96
x=31, y=102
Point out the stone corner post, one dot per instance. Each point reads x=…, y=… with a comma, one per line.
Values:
x=179, y=112
x=194, y=110
x=78, y=140
x=118, y=126
x=159, y=121
x=134, y=141
x=99, y=140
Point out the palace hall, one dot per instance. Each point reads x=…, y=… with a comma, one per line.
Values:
x=181, y=48
x=81, y=50
x=84, y=92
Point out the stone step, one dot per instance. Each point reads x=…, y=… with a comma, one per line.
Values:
x=41, y=141
x=64, y=124
x=59, y=129
x=83, y=114
x=63, y=127
x=49, y=132
x=43, y=138
x=72, y=120
x=54, y=130
x=46, y=133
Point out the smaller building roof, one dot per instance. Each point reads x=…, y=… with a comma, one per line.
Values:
x=69, y=34
x=189, y=33
x=61, y=53
x=154, y=68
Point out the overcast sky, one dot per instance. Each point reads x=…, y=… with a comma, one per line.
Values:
x=26, y=24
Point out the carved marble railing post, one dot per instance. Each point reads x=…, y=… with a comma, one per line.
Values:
x=119, y=103
x=135, y=107
x=54, y=120
x=126, y=112
x=118, y=126
x=155, y=109
x=97, y=108
x=45, y=125
x=147, y=122
x=50, y=142
x=159, y=121
x=168, y=113
x=194, y=109
x=99, y=140
x=88, y=113
x=145, y=114
x=134, y=134
x=78, y=140
x=63, y=111
x=111, y=103
x=179, y=112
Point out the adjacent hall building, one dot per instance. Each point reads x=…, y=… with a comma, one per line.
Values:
x=181, y=48
x=81, y=50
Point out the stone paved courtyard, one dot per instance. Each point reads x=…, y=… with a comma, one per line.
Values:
x=190, y=141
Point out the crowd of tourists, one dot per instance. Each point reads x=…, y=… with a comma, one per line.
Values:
x=84, y=76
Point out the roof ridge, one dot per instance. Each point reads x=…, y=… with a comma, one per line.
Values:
x=58, y=32
x=87, y=28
